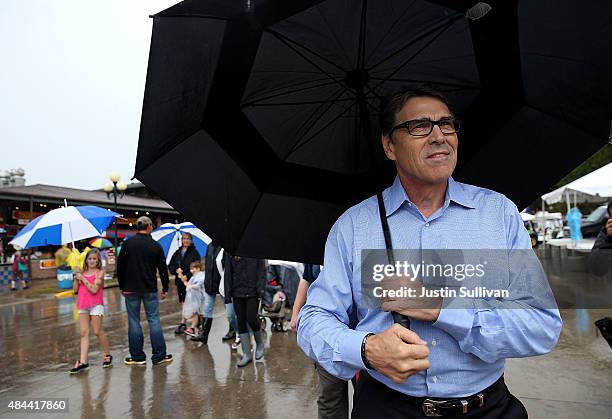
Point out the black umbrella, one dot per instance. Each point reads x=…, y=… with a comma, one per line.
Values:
x=260, y=117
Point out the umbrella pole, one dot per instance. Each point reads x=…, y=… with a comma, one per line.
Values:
x=76, y=261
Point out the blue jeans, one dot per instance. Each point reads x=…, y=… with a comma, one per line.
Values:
x=209, y=305
x=135, y=336
x=231, y=316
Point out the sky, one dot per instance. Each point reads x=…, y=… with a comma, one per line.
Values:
x=72, y=78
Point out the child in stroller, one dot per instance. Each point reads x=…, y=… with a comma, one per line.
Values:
x=279, y=293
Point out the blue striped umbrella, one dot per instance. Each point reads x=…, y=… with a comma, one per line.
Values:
x=64, y=225
x=169, y=237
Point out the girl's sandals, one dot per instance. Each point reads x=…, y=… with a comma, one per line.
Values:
x=108, y=361
x=79, y=367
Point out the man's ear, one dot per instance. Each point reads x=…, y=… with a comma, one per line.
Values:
x=388, y=147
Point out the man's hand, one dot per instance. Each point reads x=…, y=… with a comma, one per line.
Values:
x=293, y=323
x=162, y=295
x=415, y=306
x=179, y=271
x=609, y=227
x=397, y=353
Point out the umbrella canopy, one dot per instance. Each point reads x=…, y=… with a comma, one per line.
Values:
x=169, y=236
x=101, y=243
x=65, y=225
x=2, y=231
x=265, y=112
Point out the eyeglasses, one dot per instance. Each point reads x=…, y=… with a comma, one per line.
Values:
x=424, y=127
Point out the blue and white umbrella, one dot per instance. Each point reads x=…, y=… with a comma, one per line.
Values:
x=64, y=225
x=169, y=236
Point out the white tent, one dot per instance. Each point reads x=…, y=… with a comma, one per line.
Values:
x=594, y=187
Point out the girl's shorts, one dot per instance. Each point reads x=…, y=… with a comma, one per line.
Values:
x=97, y=310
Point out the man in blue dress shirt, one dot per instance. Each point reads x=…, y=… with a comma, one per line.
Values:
x=451, y=361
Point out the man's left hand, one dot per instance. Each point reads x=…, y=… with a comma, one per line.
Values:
x=162, y=295
x=609, y=227
x=416, y=307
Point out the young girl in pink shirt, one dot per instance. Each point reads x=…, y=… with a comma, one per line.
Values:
x=90, y=287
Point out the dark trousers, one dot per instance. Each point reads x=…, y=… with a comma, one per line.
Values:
x=246, y=313
x=181, y=291
x=135, y=336
x=373, y=399
x=333, y=396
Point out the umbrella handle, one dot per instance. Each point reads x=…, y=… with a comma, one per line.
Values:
x=401, y=320
x=397, y=318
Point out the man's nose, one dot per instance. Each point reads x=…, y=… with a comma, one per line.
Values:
x=436, y=135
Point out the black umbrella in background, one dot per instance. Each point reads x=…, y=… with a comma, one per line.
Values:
x=260, y=117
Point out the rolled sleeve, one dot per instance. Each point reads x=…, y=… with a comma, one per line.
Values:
x=349, y=348
x=457, y=322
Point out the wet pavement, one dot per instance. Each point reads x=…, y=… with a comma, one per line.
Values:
x=39, y=343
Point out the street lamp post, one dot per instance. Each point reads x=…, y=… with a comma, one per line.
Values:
x=116, y=188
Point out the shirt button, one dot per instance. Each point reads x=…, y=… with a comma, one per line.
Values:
x=434, y=343
x=434, y=379
x=426, y=224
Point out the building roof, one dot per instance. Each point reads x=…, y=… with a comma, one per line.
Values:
x=47, y=193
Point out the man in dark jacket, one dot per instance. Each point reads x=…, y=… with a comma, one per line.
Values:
x=600, y=258
x=179, y=263
x=244, y=286
x=139, y=261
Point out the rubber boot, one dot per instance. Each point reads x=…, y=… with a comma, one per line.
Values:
x=259, y=345
x=245, y=343
x=203, y=337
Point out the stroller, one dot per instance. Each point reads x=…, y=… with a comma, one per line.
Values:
x=280, y=283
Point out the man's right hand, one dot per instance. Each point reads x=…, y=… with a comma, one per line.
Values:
x=609, y=227
x=162, y=295
x=397, y=353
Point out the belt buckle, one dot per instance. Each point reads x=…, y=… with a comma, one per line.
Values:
x=429, y=407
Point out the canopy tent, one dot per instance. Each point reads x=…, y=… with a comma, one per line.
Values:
x=594, y=187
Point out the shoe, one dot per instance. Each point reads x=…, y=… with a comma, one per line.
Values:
x=231, y=334
x=245, y=343
x=13, y=289
x=26, y=288
x=259, y=345
x=191, y=332
x=236, y=343
x=165, y=360
x=108, y=361
x=80, y=367
x=131, y=361
x=203, y=335
x=180, y=329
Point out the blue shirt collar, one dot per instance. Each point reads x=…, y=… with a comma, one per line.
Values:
x=396, y=195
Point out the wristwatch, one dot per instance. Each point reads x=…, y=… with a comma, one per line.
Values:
x=364, y=358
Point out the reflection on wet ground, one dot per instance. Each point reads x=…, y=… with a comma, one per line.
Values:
x=39, y=343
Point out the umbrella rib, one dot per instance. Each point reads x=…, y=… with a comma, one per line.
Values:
x=288, y=41
x=302, y=144
x=362, y=28
x=401, y=16
x=253, y=102
x=399, y=67
x=440, y=29
x=303, y=128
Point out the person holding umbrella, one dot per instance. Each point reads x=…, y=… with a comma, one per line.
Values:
x=178, y=266
x=451, y=361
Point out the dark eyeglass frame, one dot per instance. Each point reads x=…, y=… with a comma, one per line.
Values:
x=406, y=125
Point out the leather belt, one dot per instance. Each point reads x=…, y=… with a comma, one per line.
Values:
x=438, y=407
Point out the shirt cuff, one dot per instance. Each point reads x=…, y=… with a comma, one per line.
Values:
x=349, y=350
x=456, y=320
